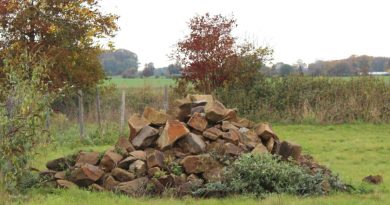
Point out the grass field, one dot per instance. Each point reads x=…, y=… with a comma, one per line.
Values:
x=140, y=82
x=352, y=150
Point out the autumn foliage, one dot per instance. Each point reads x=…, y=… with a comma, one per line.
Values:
x=211, y=57
x=65, y=31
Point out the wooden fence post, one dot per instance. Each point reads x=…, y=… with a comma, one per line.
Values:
x=81, y=113
x=98, y=108
x=166, y=99
x=123, y=106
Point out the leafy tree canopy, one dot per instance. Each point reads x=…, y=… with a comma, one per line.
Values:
x=119, y=61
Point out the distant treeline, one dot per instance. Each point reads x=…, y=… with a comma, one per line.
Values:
x=125, y=63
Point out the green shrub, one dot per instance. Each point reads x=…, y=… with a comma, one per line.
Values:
x=263, y=174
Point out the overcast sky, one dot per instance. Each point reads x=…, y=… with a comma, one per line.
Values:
x=301, y=29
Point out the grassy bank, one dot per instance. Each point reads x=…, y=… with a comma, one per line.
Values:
x=352, y=150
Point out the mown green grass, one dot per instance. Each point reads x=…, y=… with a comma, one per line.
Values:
x=352, y=150
x=140, y=82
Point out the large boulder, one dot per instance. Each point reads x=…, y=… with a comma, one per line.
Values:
x=124, y=145
x=109, y=182
x=226, y=126
x=192, y=143
x=86, y=175
x=134, y=187
x=139, y=155
x=232, y=150
x=125, y=163
x=265, y=132
x=260, y=149
x=59, y=164
x=87, y=158
x=136, y=123
x=289, y=149
x=198, y=122
x=215, y=111
x=232, y=136
x=154, y=158
x=110, y=160
x=145, y=138
x=173, y=131
x=155, y=117
x=122, y=175
x=183, y=109
x=201, y=98
x=248, y=138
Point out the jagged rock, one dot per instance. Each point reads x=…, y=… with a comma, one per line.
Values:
x=65, y=184
x=86, y=175
x=243, y=122
x=139, y=154
x=138, y=168
x=260, y=149
x=198, y=163
x=145, y=138
x=60, y=175
x=212, y=133
x=248, y=138
x=59, y=164
x=198, y=122
x=270, y=144
x=173, y=131
x=231, y=115
x=226, y=126
x=124, y=145
x=288, y=149
x=192, y=143
x=215, y=111
x=87, y=158
x=231, y=136
x=231, y=149
x=154, y=158
x=183, y=109
x=216, y=147
x=96, y=187
x=152, y=171
x=155, y=117
x=125, y=163
x=136, y=123
x=198, y=109
x=109, y=182
x=134, y=187
x=122, y=175
x=201, y=98
x=110, y=160
x=264, y=131
x=214, y=174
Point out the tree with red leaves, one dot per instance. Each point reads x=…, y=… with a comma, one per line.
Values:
x=211, y=58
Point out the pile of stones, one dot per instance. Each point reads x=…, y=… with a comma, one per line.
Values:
x=180, y=151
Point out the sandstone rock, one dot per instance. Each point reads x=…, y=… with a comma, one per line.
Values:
x=215, y=111
x=122, y=175
x=136, y=123
x=110, y=183
x=154, y=158
x=138, y=168
x=139, y=154
x=134, y=187
x=125, y=163
x=260, y=149
x=173, y=131
x=243, y=122
x=270, y=144
x=212, y=133
x=145, y=138
x=167, y=181
x=183, y=109
x=87, y=158
x=124, y=145
x=226, y=126
x=96, y=187
x=155, y=117
x=248, y=138
x=152, y=171
x=192, y=143
x=59, y=164
x=231, y=115
x=214, y=174
x=60, y=175
x=198, y=109
x=216, y=147
x=373, y=179
x=201, y=98
x=110, y=160
x=65, y=184
x=231, y=149
x=198, y=163
x=86, y=175
x=288, y=149
x=198, y=122
x=264, y=131
x=231, y=136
